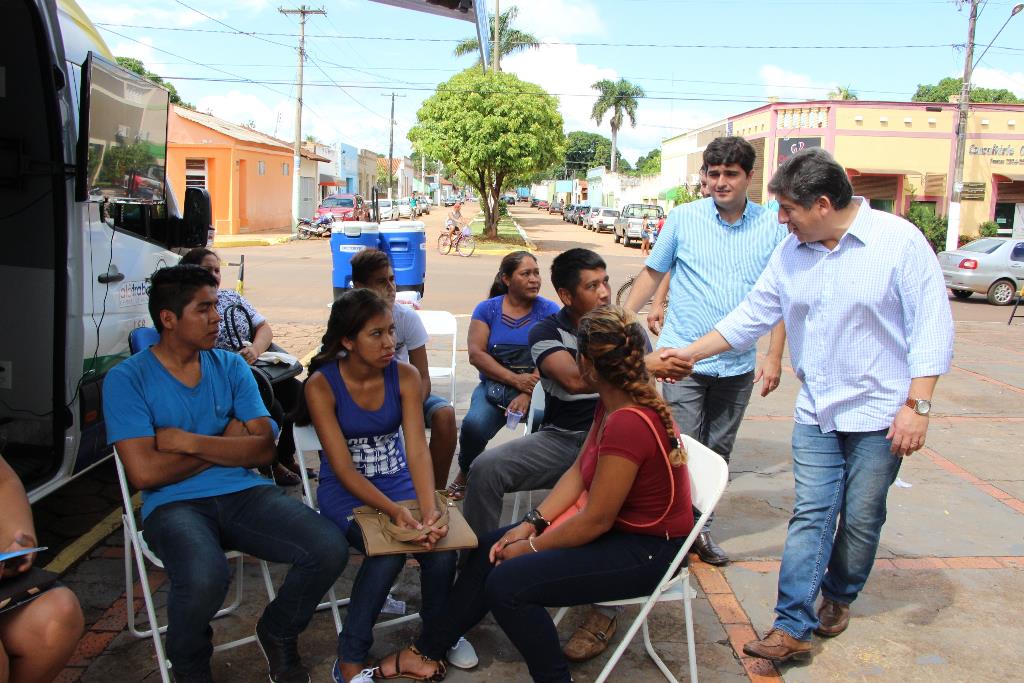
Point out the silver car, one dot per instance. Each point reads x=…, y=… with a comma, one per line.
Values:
x=993, y=266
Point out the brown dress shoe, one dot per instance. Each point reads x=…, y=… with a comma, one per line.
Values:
x=833, y=618
x=708, y=551
x=590, y=639
x=778, y=646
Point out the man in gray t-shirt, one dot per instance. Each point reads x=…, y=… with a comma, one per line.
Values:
x=371, y=269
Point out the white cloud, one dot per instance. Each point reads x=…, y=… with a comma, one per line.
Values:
x=558, y=69
x=141, y=49
x=789, y=85
x=559, y=19
x=997, y=78
x=147, y=13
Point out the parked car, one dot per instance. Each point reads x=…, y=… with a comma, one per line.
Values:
x=423, y=204
x=510, y=199
x=993, y=266
x=567, y=212
x=603, y=220
x=588, y=217
x=388, y=210
x=582, y=214
x=555, y=207
x=450, y=200
x=629, y=226
x=542, y=204
x=533, y=202
x=345, y=207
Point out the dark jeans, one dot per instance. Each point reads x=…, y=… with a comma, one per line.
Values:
x=615, y=566
x=479, y=425
x=710, y=410
x=370, y=590
x=190, y=538
x=286, y=394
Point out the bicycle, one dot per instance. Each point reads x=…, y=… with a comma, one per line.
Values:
x=464, y=243
x=622, y=296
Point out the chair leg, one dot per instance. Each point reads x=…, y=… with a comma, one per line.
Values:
x=653, y=654
x=239, y=583
x=559, y=614
x=691, y=647
x=332, y=601
x=626, y=639
x=147, y=594
x=267, y=583
x=515, y=506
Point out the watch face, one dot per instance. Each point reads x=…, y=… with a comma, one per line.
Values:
x=923, y=407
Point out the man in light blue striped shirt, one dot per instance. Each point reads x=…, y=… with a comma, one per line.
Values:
x=715, y=249
x=870, y=331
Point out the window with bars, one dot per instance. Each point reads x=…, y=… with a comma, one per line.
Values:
x=285, y=168
x=261, y=167
x=195, y=173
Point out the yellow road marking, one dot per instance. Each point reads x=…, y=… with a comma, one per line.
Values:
x=89, y=540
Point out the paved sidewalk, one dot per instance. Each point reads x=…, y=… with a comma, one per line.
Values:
x=252, y=239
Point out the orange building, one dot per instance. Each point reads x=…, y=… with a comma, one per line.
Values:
x=248, y=173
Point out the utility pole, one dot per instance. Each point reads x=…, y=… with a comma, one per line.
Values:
x=391, y=146
x=497, y=38
x=963, y=107
x=303, y=12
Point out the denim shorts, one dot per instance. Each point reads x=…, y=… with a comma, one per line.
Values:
x=430, y=406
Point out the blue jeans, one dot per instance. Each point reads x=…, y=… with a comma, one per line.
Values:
x=616, y=565
x=842, y=479
x=479, y=425
x=190, y=538
x=370, y=590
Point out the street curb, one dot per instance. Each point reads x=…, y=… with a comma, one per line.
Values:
x=530, y=244
x=221, y=244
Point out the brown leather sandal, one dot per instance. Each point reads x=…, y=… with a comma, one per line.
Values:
x=439, y=674
x=591, y=638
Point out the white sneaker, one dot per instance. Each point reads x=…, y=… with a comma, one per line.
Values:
x=364, y=676
x=463, y=655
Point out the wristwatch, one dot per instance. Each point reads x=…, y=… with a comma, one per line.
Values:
x=921, y=406
x=537, y=520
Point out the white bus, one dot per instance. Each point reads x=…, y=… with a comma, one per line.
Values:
x=86, y=216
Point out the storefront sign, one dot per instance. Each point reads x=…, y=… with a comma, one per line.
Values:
x=997, y=151
x=973, y=192
x=789, y=147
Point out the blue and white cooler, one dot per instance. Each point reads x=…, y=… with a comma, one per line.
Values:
x=348, y=238
x=405, y=243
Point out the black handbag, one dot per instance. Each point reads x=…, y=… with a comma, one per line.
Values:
x=516, y=358
x=273, y=372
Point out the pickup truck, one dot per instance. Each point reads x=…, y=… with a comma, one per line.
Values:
x=630, y=223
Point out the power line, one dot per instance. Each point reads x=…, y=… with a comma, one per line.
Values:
x=418, y=39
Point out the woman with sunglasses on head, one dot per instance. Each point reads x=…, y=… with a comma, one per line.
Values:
x=632, y=491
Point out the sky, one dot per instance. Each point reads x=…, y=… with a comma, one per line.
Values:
x=697, y=60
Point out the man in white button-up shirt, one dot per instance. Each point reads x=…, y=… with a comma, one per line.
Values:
x=870, y=331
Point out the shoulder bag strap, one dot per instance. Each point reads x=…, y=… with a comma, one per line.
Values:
x=668, y=464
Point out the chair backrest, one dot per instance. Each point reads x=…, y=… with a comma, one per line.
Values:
x=709, y=475
x=126, y=497
x=141, y=338
x=537, y=402
x=443, y=323
x=306, y=441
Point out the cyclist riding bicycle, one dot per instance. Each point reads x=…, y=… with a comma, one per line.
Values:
x=455, y=224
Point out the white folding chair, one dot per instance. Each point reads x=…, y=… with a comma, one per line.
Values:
x=536, y=404
x=709, y=475
x=135, y=547
x=307, y=441
x=442, y=323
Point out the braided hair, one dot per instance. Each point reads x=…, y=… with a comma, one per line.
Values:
x=612, y=339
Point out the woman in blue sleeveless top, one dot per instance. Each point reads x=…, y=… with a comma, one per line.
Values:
x=358, y=397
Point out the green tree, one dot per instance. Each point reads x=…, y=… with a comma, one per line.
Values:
x=512, y=39
x=841, y=92
x=948, y=87
x=650, y=163
x=583, y=151
x=136, y=66
x=491, y=130
x=621, y=98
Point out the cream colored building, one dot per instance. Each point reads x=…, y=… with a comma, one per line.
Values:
x=896, y=153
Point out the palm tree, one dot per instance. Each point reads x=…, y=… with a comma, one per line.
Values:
x=621, y=97
x=842, y=93
x=512, y=39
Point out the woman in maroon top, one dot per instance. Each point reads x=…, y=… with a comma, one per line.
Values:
x=632, y=490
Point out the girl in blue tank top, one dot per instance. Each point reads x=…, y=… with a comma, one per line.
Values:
x=358, y=397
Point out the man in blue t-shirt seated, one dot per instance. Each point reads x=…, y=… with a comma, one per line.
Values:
x=189, y=426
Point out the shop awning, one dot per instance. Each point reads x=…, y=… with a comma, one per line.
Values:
x=879, y=171
x=1007, y=177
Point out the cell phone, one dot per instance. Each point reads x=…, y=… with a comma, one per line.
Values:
x=20, y=553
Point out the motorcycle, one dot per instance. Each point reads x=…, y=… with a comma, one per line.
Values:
x=310, y=228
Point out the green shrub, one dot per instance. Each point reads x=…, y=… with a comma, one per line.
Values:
x=988, y=229
x=933, y=227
